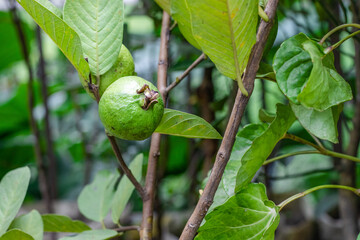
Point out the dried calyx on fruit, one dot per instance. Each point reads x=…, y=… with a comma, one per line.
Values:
x=131, y=108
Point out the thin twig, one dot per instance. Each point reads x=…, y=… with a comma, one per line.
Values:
x=150, y=182
x=43, y=182
x=125, y=168
x=318, y=142
x=271, y=160
x=227, y=143
x=186, y=73
x=48, y=134
x=127, y=228
x=303, y=194
x=303, y=174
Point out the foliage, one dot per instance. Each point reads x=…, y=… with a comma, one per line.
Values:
x=312, y=97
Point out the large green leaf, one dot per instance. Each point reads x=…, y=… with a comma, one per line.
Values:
x=186, y=125
x=95, y=199
x=164, y=4
x=307, y=76
x=58, y=223
x=262, y=146
x=16, y=234
x=93, y=235
x=125, y=189
x=247, y=215
x=244, y=139
x=99, y=24
x=181, y=13
x=358, y=238
x=64, y=37
x=226, y=32
x=292, y=65
x=13, y=189
x=325, y=87
x=321, y=124
x=30, y=223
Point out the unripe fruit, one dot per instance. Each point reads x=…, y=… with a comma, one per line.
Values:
x=124, y=66
x=131, y=108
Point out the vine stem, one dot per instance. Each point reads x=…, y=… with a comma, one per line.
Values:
x=322, y=150
x=302, y=194
x=337, y=29
x=241, y=101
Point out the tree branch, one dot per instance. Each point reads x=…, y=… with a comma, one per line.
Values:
x=224, y=152
x=125, y=168
x=48, y=134
x=148, y=203
x=186, y=72
x=43, y=183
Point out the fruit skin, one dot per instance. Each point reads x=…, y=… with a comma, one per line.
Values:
x=121, y=112
x=124, y=66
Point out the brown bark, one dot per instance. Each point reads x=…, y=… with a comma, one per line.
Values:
x=227, y=143
x=205, y=97
x=52, y=176
x=43, y=183
x=150, y=181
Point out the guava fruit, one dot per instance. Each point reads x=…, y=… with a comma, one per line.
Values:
x=124, y=66
x=131, y=108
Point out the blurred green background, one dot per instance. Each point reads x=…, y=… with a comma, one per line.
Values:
x=80, y=147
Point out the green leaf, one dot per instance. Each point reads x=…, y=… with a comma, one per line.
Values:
x=164, y=4
x=95, y=199
x=58, y=223
x=64, y=37
x=358, y=238
x=16, y=234
x=321, y=124
x=226, y=32
x=325, y=87
x=13, y=189
x=30, y=223
x=266, y=72
x=292, y=65
x=264, y=116
x=181, y=13
x=93, y=235
x=307, y=76
x=51, y=7
x=262, y=147
x=99, y=24
x=243, y=142
x=247, y=215
x=125, y=189
x=186, y=125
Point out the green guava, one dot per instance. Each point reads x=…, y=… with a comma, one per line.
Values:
x=124, y=66
x=131, y=108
